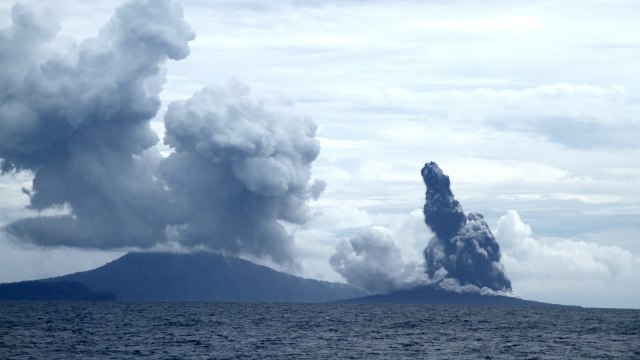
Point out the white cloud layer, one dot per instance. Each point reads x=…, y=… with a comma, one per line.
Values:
x=584, y=271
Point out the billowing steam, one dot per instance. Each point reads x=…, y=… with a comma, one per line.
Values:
x=79, y=121
x=463, y=248
x=237, y=170
x=371, y=261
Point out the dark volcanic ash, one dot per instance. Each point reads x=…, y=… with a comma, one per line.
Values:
x=463, y=248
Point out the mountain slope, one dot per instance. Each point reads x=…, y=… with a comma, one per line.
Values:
x=204, y=277
x=51, y=290
x=431, y=295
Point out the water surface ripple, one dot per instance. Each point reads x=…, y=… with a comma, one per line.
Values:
x=165, y=330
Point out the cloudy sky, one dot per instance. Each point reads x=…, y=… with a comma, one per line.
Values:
x=531, y=107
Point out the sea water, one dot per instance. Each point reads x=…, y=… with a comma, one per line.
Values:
x=185, y=330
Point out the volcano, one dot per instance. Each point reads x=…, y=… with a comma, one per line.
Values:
x=435, y=296
x=204, y=277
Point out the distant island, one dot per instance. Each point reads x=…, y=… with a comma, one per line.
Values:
x=52, y=291
x=436, y=296
x=204, y=276
x=211, y=277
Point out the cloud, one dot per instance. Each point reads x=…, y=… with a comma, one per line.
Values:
x=237, y=171
x=20, y=261
x=563, y=260
x=79, y=121
x=371, y=261
x=588, y=270
x=575, y=115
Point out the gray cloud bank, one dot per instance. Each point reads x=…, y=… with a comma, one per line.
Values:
x=77, y=117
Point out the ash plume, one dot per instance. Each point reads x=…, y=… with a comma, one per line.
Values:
x=463, y=248
x=238, y=170
x=79, y=122
x=78, y=119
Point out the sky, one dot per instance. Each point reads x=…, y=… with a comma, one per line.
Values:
x=531, y=107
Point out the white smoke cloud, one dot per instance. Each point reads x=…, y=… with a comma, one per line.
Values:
x=453, y=285
x=560, y=260
x=371, y=260
x=238, y=170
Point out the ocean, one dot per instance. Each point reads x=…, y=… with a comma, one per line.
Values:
x=186, y=330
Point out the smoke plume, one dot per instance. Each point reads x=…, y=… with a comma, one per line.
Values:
x=463, y=248
x=238, y=170
x=79, y=121
x=463, y=256
x=371, y=261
